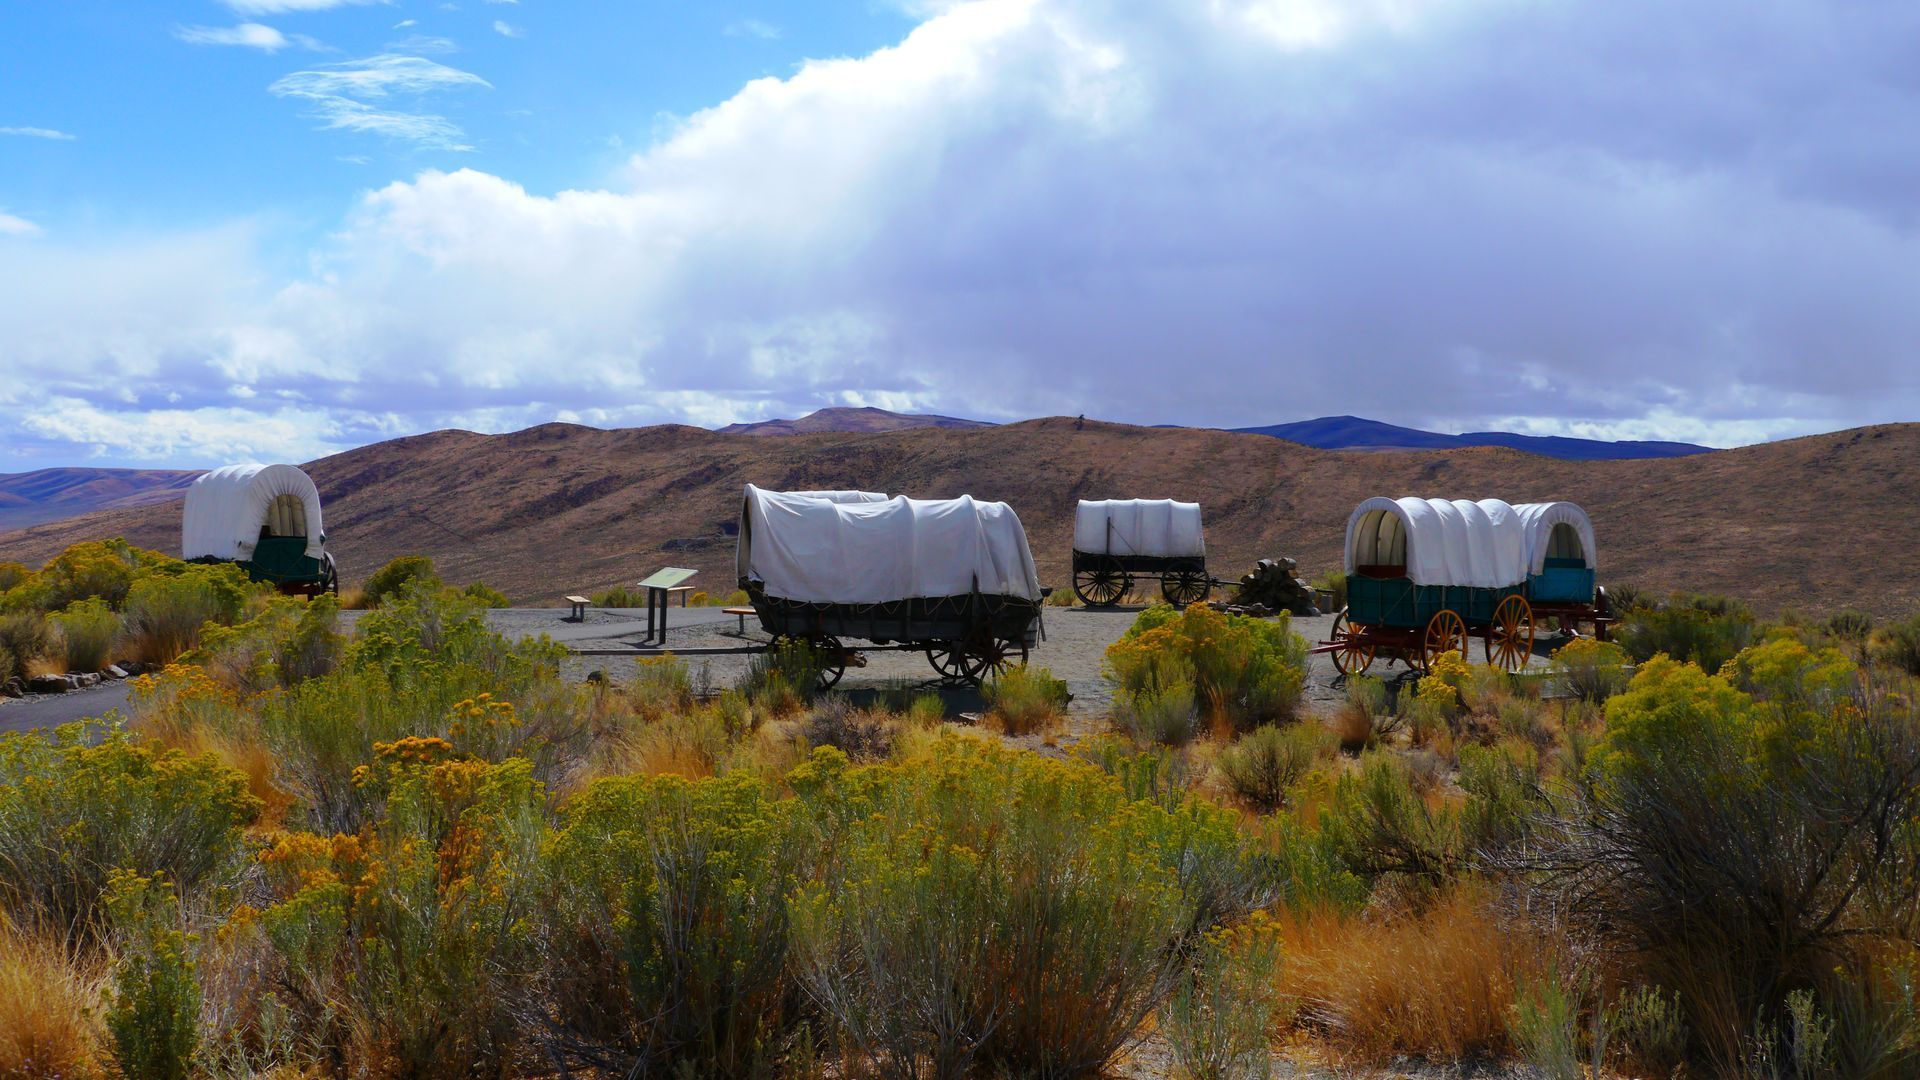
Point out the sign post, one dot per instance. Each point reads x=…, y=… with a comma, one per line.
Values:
x=657, y=585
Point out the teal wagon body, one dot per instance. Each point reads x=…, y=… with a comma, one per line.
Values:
x=1398, y=602
x=1562, y=581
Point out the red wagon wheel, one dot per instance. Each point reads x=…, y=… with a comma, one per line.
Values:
x=1446, y=632
x=1510, y=634
x=1355, y=652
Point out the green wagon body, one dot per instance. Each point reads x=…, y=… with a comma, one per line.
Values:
x=1397, y=602
x=1563, y=581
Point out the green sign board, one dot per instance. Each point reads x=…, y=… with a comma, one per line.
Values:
x=668, y=578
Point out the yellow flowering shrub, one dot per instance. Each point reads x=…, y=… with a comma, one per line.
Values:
x=1245, y=670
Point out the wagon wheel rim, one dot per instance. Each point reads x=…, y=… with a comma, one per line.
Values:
x=1183, y=588
x=986, y=658
x=1510, y=635
x=833, y=660
x=1354, y=653
x=1446, y=632
x=1101, y=585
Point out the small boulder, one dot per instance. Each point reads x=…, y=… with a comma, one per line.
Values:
x=115, y=671
x=84, y=679
x=48, y=684
x=13, y=687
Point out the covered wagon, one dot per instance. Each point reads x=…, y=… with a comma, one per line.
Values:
x=1426, y=575
x=1562, y=567
x=1115, y=540
x=952, y=578
x=265, y=518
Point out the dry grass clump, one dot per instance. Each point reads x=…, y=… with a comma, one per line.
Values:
x=1025, y=700
x=1438, y=985
x=49, y=1009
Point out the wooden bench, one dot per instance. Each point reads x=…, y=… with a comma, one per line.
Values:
x=683, y=590
x=742, y=612
x=579, y=608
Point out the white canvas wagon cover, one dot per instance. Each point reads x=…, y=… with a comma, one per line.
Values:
x=1441, y=541
x=1160, y=527
x=227, y=508
x=803, y=547
x=1542, y=518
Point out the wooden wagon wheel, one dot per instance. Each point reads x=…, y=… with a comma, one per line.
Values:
x=1355, y=652
x=1446, y=632
x=948, y=659
x=831, y=656
x=988, y=657
x=1185, y=587
x=1510, y=634
x=1101, y=584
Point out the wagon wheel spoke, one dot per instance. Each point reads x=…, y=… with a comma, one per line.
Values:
x=832, y=658
x=1446, y=632
x=1183, y=588
x=1355, y=652
x=987, y=657
x=947, y=659
x=1510, y=635
x=1101, y=584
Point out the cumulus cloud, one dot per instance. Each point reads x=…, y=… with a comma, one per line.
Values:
x=507, y=29
x=38, y=133
x=281, y=7
x=1237, y=212
x=248, y=35
x=16, y=226
x=352, y=96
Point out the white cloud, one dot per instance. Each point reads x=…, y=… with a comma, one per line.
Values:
x=38, y=133
x=423, y=43
x=342, y=96
x=507, y=29
x=1227, y=213
x=249, y=35
x=281, y=7
x=16, y=226
x=404, y=23
x=754, y=28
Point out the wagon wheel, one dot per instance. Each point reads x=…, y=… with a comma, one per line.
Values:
x=828, y=653
x=989, y=657
x=947, y=659
x=1446, y=632
x=1102, y=584
x=1354, y=653
x=1510, y=634
x=1185, y=587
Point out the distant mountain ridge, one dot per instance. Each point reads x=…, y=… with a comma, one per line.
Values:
x=30, y=498
x=850, y=421
x=1359, y=433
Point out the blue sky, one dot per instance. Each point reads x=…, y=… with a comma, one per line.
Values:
x=278, y=229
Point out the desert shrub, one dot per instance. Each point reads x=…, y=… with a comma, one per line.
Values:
x=692, y=743
x=1438, y=984
x=1165, y=715
x=1647, y=1030
x=1158, y=774
x=860, y=734
x=1851, y=628
x=1898, y=645
x=783, y=679
x=666, y=953
x=620, y=597
x=98, y=569
x=88, y=629
x=1593, y=670
x=408, y=947
x=48, y=1009
x=1066, y=910
x=1217, y=1018
x=400, y=575
x=1737, y=849
x=1546, y=1027
x=28, y=636
x=1380, y=825
x=9, y=667
x=1784, y=671
x=911, y=701
x=287, y=642
x=165, y=612
x=1243, y=670
x=661, y=685
x=12, y=574
x=485, y=594
x=72, y=813
x=1022, y=700
x=1707, y=630
x=153, y=1015
x=1627, y=598
x=1262, y=766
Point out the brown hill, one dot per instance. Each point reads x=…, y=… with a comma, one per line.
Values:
x=851, y=421
x=30, y=498
x=1816, y=523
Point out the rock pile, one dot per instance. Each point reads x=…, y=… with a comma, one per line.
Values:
x=1273, y=585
